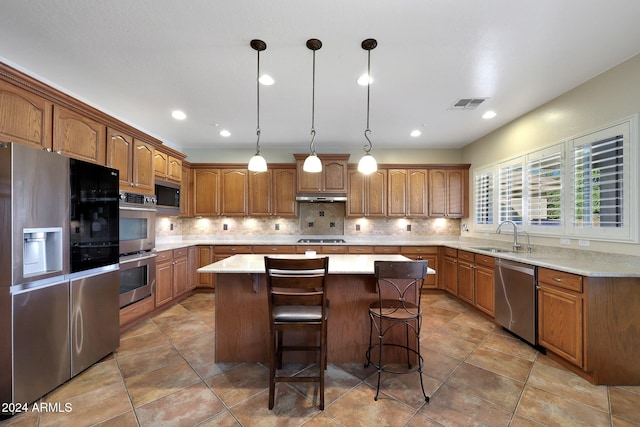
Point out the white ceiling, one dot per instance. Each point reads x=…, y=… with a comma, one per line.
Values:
x=140, y=59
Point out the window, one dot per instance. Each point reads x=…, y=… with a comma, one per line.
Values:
x=544, y=189
x=510, y=191
x=484, y=197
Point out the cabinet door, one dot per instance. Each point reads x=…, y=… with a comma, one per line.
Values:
x=142, y=167
x=437, y=193
x=284, y=193
x=160, y=164
x=205, y=257
x=485, y=290
x=260, y=185
x=397, y=195
x=456, y=194
x=164, y=279
x=417, y=193
x=24, y=117
x=356, y=194
x=206, y=189
x=174, y=169
x=77, y=136
x=450, y=275
x=376, y=201
x=186, y=192
x=235, y=188
x=309, y=182
x=180, y=276
x=192, y=275
x=465, y=281
x=335, y=176
x=560, y=322
x=119, y=150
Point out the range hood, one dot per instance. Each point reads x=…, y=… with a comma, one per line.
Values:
x=321, y=197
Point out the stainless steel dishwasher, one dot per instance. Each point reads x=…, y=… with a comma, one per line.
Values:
x=515, y=294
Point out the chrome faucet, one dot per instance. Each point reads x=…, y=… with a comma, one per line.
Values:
x=516, y=245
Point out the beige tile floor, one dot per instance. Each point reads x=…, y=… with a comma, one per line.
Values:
x=164, y=374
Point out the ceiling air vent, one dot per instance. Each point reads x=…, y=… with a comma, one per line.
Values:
x=467, y=103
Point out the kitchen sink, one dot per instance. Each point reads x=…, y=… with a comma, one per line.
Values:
x=492, y=249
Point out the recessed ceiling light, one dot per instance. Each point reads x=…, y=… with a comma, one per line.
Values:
x=225, y=133
x=266, y=80
x=489, y=115
x=178, y=115
x=364, y=80
x=415, y=133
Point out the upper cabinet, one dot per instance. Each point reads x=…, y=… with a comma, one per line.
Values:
x=367, y=194
x=220, y=192
x=77, y=136
x=24, y=117
x=273, y=193
x=133, y=158
x=407, y=193
x=206, y=192
x=186, y=192
x=332, y=179
x=167, y=167
x=448, y=193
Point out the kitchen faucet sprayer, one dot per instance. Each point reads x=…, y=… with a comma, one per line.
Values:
x=516, y=245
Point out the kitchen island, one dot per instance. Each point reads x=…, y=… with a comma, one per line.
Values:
x=242, y=327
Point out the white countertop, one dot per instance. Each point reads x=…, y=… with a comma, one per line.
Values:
x=338, y=264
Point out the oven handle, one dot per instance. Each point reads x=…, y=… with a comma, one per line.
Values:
x=132, y=208
x=142, y=258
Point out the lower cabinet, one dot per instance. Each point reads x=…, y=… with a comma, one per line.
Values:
x=425, y=253
x=205, y=257
x=171, y=275
x=466, y=276
x=449, y=275
x=476, y=281
x=560, y=314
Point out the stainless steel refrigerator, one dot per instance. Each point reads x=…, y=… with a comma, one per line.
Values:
x=39, y=306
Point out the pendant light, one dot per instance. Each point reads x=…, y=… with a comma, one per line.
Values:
x=312, y=163
x=257, y=163
x=367, y=163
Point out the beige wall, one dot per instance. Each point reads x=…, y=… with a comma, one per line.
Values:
x=609, y=97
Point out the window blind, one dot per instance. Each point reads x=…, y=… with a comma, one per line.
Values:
x=544, y=188
x=484, y=197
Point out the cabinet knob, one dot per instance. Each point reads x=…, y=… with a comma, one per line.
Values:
x=557, y=279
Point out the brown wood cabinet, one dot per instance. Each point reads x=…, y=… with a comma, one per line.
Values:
x=560, y=314
x=450, y=270
x=171, y=275
x=167, y=167
x=466, y=276
x=407, y=193
x=25, y=118
x=192, y=274
x=273, y=193
x=206, y=256
x=425, y=253
x=448, y=193
x=186, y=192
x=484, y=282
x=367, y=194
x=332, y=179
x=234, y=192
x=77, y=136
x=206, y=192
x=133, y=158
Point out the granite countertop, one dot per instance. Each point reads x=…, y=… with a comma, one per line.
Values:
x=585, y=263
x=338, y=264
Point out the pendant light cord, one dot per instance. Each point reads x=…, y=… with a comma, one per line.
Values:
x=367, y=149
x=312, y=147
x=258, y=105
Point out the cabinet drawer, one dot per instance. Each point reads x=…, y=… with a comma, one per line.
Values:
x=180, y=253
x=274, y=249
x=329, y=249
x=451, y=252
x=360, y=249
x=467, y=256
x=164, y=256
x=300, y=249
x=418, y=250
x=560, y=279
x=395, y=250
x=233, y=249
x=484, y=260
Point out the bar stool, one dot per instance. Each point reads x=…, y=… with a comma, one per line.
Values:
x=297, y=302
x=398, y=284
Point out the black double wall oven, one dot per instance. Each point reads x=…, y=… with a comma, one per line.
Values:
x=137, y=247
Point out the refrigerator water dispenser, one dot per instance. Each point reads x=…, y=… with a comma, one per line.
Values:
x=42, y=251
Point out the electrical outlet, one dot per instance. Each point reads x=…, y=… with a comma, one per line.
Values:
x=277, y=227
x=357, y=227
x=225, y=226
x=408, y=227
x=565, y=241
x=583, y=243
x=171, y=227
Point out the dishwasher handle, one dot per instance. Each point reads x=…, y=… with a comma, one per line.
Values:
x=517, y=266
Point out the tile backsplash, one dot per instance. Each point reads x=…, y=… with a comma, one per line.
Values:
x=326, y=219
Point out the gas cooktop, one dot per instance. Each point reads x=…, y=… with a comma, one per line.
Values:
x=321, y=241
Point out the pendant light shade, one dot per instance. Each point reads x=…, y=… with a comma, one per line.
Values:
x=257, y=163
x=367, y=163
x=312, y=163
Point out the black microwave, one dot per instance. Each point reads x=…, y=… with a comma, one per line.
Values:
x=168, y=198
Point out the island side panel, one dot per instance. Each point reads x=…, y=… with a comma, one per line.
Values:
x=242, y=329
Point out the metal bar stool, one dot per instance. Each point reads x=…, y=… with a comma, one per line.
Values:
x=398, y=284
x=297, y=302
